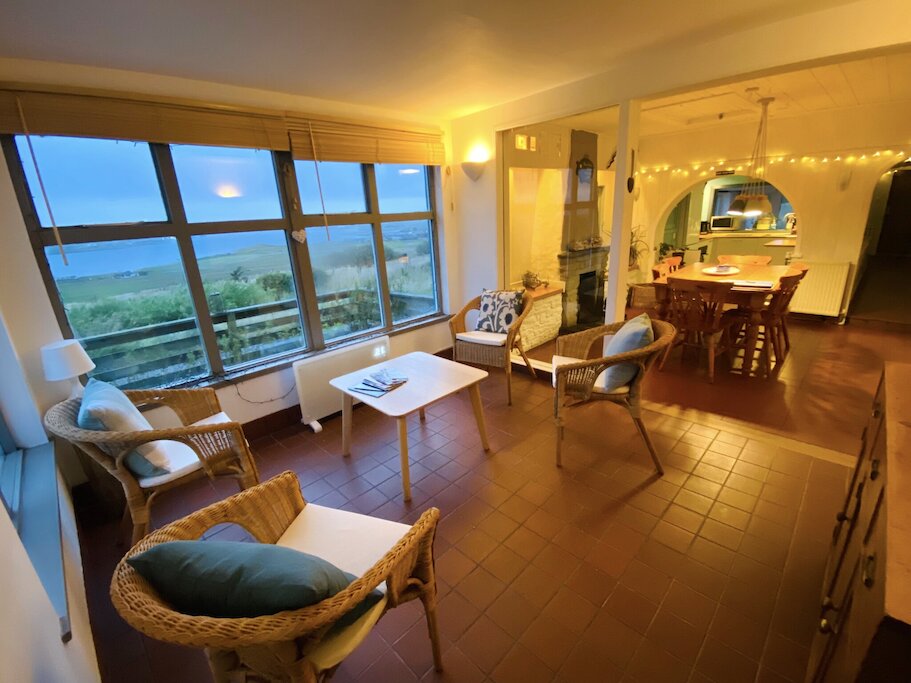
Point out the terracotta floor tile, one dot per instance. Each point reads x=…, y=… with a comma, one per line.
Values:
x=712, y=555
x=630, y=608
x=676, y=636
x=570, y=610
x=672, y=536
x=725, y=665
x=693, y=607
x=485, y=643
x=653, y=663
x=722, y=534
x=694, y=501
x=504, y=564
x=592, y=584
x=684, y=518
x=786, y=657
x=589, y=662
x=646, y=581
x=739, y=632
x=480, y=588
x=457, y=668
x=617, y=641
x=520, y=664
x=551, y=642
x=732, y=516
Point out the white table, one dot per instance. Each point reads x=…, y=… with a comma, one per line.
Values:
x=430, y=378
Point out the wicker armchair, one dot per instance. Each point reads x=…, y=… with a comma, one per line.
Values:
x=221, y=447
x=295, y=645
x=575, y=378
x=494, y=355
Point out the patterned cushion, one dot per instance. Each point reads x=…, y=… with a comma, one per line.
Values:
x=499, y=310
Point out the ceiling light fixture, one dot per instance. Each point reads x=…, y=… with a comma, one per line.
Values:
x=753, y=200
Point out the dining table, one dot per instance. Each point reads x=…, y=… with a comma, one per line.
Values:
x=752, y=285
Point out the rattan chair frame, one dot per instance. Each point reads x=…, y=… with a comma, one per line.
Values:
x=274, y=647
x=576, y=381
x=222, y=448
x=486, y=354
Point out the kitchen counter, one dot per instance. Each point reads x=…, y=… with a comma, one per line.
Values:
x=742, y=234
x=786, y=242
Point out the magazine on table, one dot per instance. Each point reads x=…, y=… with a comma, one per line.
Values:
x=379, y=383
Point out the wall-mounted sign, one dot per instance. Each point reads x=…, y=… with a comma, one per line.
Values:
x=727, y=171
x=521, y=141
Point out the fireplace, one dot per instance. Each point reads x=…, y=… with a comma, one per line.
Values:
x=583, y=273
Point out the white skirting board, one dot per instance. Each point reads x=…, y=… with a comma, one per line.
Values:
x=822, y=291
x=317, y=398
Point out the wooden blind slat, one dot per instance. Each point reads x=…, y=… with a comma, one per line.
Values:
x=127, y=119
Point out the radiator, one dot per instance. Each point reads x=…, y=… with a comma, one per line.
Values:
x=822, y=291
x=312, y=376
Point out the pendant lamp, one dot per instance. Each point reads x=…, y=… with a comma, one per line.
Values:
x=753, y=200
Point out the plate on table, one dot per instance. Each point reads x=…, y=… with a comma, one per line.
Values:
x=721, y=270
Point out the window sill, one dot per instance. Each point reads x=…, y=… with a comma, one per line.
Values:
x=275, y=364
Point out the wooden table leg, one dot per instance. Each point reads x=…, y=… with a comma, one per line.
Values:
x=752, y=335
x=475, y=393
x=347, y=417
x=422, y=414
x=403, y=456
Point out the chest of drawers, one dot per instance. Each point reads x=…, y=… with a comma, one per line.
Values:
x=865, y=613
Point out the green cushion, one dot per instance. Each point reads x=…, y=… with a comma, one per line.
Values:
x=239, y=579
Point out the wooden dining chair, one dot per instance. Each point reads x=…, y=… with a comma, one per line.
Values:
x=744, y=260
x=773, y=334
x=696, y=309
x=673, y=263
x=660, y=270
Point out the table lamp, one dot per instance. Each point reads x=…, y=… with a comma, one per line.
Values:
x=66, y=360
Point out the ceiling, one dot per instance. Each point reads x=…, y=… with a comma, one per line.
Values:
x=866, y=81
x=438, y=59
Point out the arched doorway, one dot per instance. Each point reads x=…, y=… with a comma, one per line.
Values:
x=703, y=208
x=880, y=293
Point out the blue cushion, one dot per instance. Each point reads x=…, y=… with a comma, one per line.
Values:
x=106, y=408
x=237, y=579
x=636, y=333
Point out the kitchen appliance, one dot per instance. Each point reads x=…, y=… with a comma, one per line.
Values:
x=723, y=223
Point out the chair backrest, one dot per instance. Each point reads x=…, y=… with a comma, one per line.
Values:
x=781, y=297
x=697, y=306
x=744, y=260
x=673, y=263
x=799, y=265
x=660, y=269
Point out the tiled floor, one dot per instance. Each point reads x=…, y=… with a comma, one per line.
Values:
x=599, y=571
x=821, y=394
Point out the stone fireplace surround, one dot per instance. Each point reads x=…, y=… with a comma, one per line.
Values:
x=573, y=264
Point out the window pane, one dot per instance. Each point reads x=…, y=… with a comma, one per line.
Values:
x=250, y=289
x=344, y=271
x=342, y=185
x=409, y=267
x=402, y=188
x=128, y=302
x=90, y=182
x=226, y=183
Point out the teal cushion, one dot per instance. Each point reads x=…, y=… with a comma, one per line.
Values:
x=635, y=333
x=239, y=579
x=106, y=408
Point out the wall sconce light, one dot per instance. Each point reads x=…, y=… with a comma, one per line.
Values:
x=476, y=161
x=474, y=169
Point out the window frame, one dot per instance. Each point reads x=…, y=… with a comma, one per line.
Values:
x=183, y=231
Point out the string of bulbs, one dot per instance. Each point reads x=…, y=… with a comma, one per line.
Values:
x=849, y=156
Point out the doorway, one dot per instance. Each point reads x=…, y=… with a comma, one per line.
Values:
x=880, y=297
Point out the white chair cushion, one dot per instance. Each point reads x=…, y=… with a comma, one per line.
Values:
x=486, y=338
x=178, y=458
x=599, y=388
x=353, y=543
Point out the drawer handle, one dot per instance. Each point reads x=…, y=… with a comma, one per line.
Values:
x=874, y=469
x=869, y=573
x=877, y=411
x=825, y=626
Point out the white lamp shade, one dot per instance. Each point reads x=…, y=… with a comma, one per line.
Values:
x=757, y=205
x=64, y=360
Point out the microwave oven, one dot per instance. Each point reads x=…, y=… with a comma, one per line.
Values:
x=721, y=223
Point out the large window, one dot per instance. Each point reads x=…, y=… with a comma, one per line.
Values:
x=187, y=262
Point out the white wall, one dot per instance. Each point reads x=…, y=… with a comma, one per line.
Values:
x=788, y=43
x=30, y=647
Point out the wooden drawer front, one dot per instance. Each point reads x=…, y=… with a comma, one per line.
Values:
x=834, y=622
x=848, y=541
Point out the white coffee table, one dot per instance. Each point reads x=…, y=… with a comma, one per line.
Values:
x=430, y=378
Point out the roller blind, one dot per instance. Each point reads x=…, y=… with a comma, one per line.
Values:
x=105, y=116
x=53, y=111
x=346, y=141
